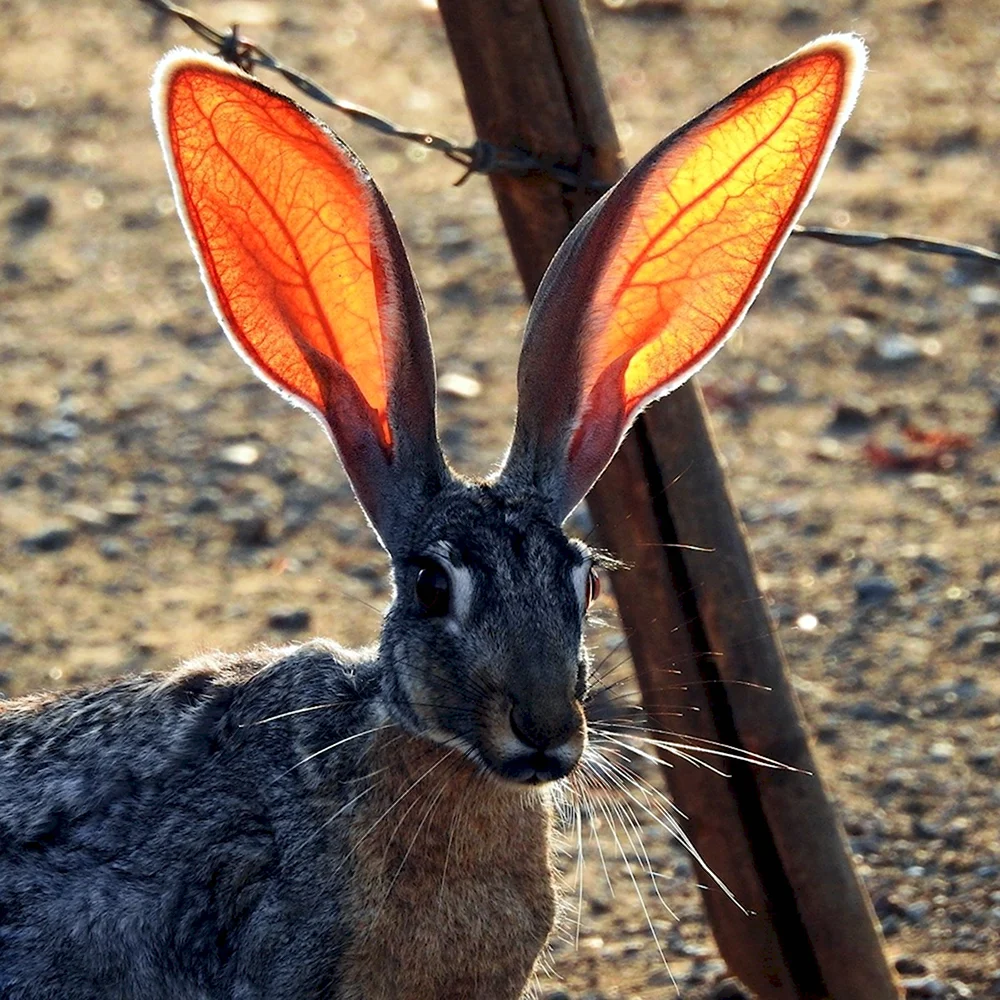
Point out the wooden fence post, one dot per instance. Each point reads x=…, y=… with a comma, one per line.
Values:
x=531, y=81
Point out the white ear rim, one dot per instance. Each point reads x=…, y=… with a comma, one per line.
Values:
x=855, y=54
x=174, y=60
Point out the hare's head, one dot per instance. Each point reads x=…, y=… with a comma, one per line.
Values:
x=308, y=276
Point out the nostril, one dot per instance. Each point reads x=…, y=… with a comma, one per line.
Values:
x=518, y=726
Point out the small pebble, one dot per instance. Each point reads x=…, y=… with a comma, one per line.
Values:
x=850, y=419
x=204, y=503
x=32, y=214
x=942, y=751
x=123, y=510
x=51, y=538
x=981, y=623
x=829, y=449
x=898, y=349
x=852, y=328
x=875, y=590
x=989, y=645
x=89, y=517
x=240, y=456
x=770, y=385
x=985, y=299
x=985, y=759
x=112, y=549
x=908, y=966
x=730, y=989
x=6, y=634
x=458, y=386
x=926, y=986
x=250, y=527
x=61, y=430
x=290, y=620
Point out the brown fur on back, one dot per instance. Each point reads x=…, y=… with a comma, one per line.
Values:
x=452, y=895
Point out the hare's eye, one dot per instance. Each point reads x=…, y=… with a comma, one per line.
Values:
x=433, y=588
x=593, y=585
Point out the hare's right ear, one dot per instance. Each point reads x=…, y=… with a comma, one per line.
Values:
x=659, y=273
x=307, y=274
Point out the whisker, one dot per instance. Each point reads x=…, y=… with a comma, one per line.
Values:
x=295, y=711
x=628, y=816
x=587, y=764
x=579, y=874
x=710, y=747
x=451, y=832
x=347, y=805
x=635, y=885
x=432, y=802
x=333, y=746
x=679, y=753
x=671, y=825
x=399, y=798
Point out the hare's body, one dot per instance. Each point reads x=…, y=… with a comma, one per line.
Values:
x=142, y=854
x=312, y=824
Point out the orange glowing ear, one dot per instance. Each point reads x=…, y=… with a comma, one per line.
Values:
x=660, y=272
x=306, y=271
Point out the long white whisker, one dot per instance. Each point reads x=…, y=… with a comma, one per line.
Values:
x=451, y=833
x=687, y=758
x=294, y=711
x=579, y=872
x=710, y=746
x=667, y=821
x=665, y=801
x=333, y=746
x=432, y=802
x=628, y=815
x=399, y=798
x=347, y=805
x=587, y=767
x=635, y=885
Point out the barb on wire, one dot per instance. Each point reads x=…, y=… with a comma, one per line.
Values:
x=479, y=157
x=485, y=158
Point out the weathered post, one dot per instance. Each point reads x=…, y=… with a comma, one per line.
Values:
x=531, y=81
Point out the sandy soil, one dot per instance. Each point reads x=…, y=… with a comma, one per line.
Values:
x=132, y=534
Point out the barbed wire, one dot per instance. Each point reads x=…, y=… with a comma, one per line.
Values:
x=481, y=157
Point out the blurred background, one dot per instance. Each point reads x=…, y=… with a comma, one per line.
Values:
x=157, y=501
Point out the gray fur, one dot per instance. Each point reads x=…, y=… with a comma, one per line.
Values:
x=155, y=841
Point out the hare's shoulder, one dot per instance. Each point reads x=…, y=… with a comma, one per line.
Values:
x=158, y=738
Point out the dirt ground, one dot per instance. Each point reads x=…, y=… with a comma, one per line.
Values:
x=155, y=500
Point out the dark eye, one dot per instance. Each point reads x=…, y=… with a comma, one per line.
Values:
x=433, y=588
x=593, y=585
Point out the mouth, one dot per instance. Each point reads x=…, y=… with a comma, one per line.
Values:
x=522, y=767
x=538, y=767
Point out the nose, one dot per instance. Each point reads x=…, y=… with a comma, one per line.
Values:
x=553, y=743
x=545, y=732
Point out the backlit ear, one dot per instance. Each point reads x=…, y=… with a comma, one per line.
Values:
x=307, y=274
x=660, y=272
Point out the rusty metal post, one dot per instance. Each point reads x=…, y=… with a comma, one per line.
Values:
x=531, y=81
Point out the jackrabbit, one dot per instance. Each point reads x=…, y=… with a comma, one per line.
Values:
x=315, y=822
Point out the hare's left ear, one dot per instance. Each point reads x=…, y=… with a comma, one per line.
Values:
x=659, y=273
